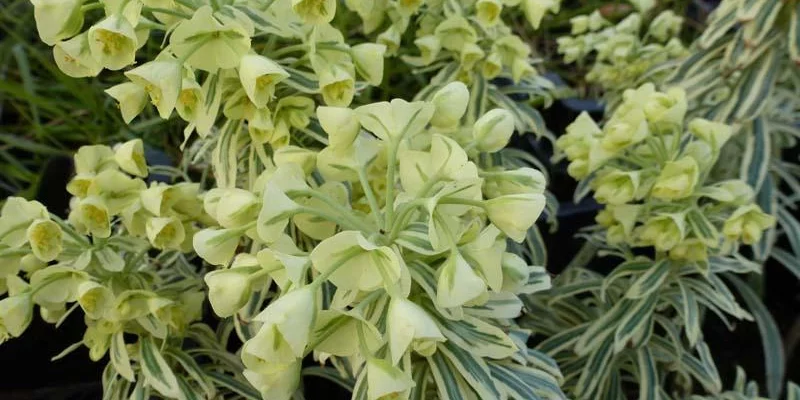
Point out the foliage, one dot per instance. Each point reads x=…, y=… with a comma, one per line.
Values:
x=344, y=196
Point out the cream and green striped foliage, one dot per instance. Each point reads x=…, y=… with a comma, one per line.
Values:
x=678, y=232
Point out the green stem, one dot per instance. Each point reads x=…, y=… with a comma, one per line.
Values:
x=321, y=278
x=187, y=4
x=341, y=210
x=345, y=222
x=373, y=202
x=166, y=11
x=91, y=6
x=390, y=171
x=402, y=218
x=466, y=202
x=234, y=232
x=289, y=49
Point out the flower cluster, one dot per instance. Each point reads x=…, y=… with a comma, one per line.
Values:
x=470, y=35
x=652, y=175
x=260, y=85
x=120, y=258
x=623, y=53
x=410, y=282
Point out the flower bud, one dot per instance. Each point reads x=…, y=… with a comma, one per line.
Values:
x=625, y=131
x=95, y=299
x=130, y=157
x=470, y=54
x=293, y=315
x=304, y=158
x=492, y=66
x=259, y=75
x=535, y=10
x=191, y=100
x=701, y=152
x=579, y=137
x=493, y=130
x=739, y=191
x=391, y=39
x=429, y=47
x=516, y=181
x=457, y=283
x=276, y=209
x=15, y=217
x=29, y=263
x=229, y=289
x=451, y=102
x=747, y=223
x=521, y=68
x=715, y=133
x=92, y=216
x=666, y=110
x=337, y=86
x=276, y=383
x=664, y=232
x=631, y=24
x=388, y=120
x=57, y=19
x=514, y=214
x=90, y=160
x=113, y=42
x=368, y=60
x=578, y=169
x=488, y=11
x=73, y=57
x=690, y=250
x=616, y=187
x=338, y=164
x=407, y=323
x=665, y=25
x=98, y=342
x=385, y=381
x=216, y=246
x=314, y=11
x=363, y=264
x=131, y=99
x=677, y=180
x=515, y=272
x=16, y=313
x=454, y=32
x=56, y=285
x=236, y=207
x=580, y=24
x=222, y=44
x=340, y=124
x=45, y=237
x=165, y=232
x=162, y=80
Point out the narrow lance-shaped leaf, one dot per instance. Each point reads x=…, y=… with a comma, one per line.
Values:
x=472, y=369
x=774, y=358
x=650, y=281
x=155, y=368
x=648, y=374
x=119, y=357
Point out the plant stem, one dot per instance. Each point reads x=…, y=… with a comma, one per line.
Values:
x=373, y=202
x=390, y=170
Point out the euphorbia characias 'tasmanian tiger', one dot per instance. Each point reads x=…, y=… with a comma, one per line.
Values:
x=395, y=290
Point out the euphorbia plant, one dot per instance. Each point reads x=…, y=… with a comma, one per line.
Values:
x=678, y=231
x=400, y=283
